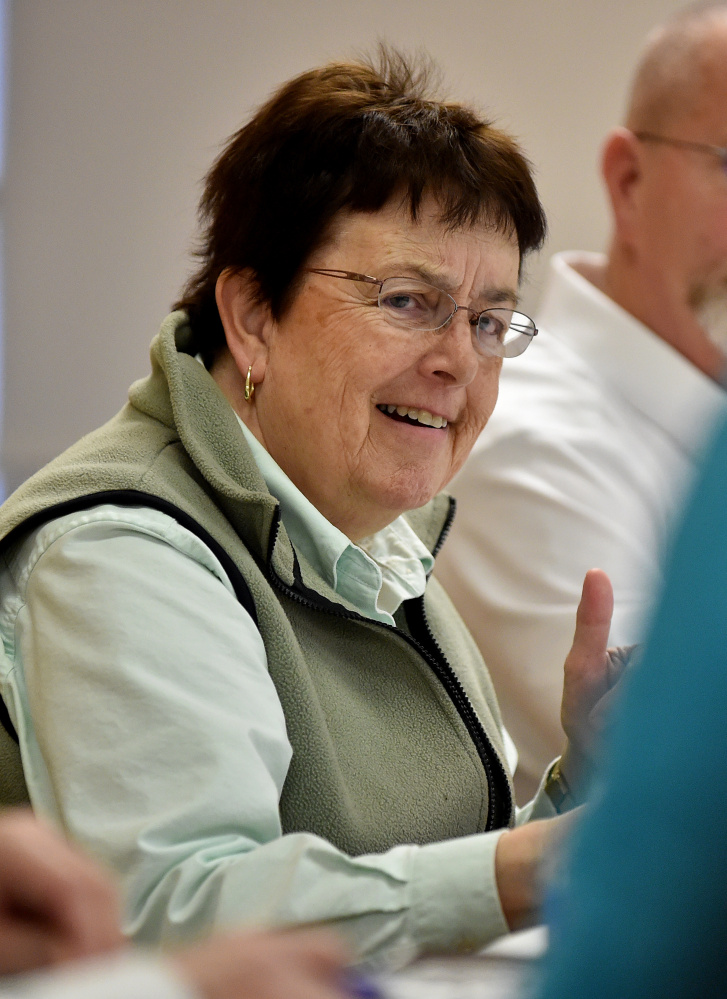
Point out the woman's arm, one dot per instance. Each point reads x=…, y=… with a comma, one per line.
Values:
x=153, y=735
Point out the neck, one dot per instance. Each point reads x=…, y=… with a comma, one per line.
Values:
x=644, y=292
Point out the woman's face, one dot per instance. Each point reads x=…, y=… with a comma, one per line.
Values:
x=332, y=366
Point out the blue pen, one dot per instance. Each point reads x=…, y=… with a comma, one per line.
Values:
x=360, y=986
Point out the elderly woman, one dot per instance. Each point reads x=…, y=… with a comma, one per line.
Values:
x=229, y=670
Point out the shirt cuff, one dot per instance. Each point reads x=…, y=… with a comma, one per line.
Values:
x=455, y=905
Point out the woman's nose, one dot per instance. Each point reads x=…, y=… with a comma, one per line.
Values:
x=453, y=355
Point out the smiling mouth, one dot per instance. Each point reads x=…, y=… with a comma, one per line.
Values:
x=415, y=417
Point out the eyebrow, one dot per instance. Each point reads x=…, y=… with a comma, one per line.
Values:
x=495, y=295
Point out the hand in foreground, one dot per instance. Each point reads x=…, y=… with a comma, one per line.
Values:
x=305, y=964
x=55, y=904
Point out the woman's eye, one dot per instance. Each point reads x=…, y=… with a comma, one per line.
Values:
x=492, y=327
x=403, y=302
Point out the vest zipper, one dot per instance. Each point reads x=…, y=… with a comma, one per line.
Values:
x=446, y=527
x=500, y=801
x=500, y=798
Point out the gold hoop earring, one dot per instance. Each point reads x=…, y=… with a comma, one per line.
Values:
x=249, y=386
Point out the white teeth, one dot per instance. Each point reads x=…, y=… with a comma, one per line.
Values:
x=422, y=416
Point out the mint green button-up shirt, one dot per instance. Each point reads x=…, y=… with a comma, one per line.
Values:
x=187, y=813
x=377, y=575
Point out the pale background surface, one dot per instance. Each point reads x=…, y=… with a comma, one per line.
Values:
x=117, y=108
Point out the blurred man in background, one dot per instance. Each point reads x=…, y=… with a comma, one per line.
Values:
x=597, y=431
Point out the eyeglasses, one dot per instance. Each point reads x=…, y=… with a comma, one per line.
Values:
x=699, y=147
x=413, y=304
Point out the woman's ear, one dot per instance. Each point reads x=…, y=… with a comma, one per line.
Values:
x=245, y=320
x=622, y=171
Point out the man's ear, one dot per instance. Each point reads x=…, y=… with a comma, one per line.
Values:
x=245, y=320
x=621, y=169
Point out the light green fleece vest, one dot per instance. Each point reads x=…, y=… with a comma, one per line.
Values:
x=395, y=731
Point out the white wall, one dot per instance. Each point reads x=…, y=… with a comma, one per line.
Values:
x=117, y=107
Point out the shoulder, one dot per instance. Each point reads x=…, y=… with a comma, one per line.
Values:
x=102, y=535
x=551, y=389
x=555, y=410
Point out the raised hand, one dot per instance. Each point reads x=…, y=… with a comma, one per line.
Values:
x=591, y=673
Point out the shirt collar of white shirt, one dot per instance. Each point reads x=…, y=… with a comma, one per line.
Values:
x=635, y=362
x=376, y=575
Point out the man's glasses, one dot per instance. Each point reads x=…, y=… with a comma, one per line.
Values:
x=699, y=147
x=413, y=304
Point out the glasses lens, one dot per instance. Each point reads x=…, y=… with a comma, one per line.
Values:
x=503, y=332
x=414, y=304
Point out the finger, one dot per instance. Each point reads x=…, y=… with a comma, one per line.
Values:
x=47, y=882
x=24, y=947
x=619, y=659
x=77, y=901
x=586, y=678
x=593, y=620
x=89, y=919
x=596, y=604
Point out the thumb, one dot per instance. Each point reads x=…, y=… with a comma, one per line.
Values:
x=586, y=673
x=593, y=619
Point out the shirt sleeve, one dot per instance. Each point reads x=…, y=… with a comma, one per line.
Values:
x=128, y=976
x=152, y=734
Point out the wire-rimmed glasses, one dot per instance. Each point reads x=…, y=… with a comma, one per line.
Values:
x=698, y=147
x=416, y=305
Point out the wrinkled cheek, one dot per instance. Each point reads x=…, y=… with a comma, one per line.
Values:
x=357, y=445
x=479, y=424
x=466, y=441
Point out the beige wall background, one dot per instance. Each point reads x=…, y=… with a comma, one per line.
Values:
x=117, y=108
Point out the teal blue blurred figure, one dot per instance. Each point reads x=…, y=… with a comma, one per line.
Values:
x=642, y=909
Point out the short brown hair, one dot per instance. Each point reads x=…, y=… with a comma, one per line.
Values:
x=348, y=136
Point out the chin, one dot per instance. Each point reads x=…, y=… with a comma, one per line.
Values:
x=400, y=493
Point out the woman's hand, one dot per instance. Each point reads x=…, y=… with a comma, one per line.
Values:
x=55, y=904
x=589, y=676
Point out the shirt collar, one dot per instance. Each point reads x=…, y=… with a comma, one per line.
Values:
x=376, y=575
x=654, y=377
